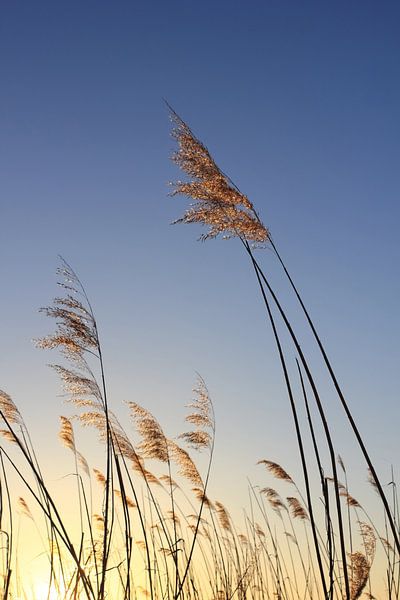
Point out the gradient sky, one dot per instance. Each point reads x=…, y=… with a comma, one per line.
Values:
x=299, y=104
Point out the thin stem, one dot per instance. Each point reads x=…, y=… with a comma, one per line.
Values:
x=320, y=410
x=344, y=404
x=297, y=428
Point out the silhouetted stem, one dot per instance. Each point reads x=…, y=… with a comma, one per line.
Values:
x=297, y=427
x=344, y=404
x=198, y=521
x=323, y=483
x=320, y=410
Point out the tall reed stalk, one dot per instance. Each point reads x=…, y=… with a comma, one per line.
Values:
x=223, y=209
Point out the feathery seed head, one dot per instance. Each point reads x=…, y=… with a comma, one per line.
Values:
x=83, y=463
x=66, y=433
x=76, y=330
x=67, y=437
x=259, y=530
x=99, y=477
x=187, y=468
x=201, y=497
x=369, y=540
x=150, y=477
x=202, y=417
x=218, y=203
x=128, y=501
x=273, y=498
x=349, y=499
x=359, y=572
x=9, y=410
x=371, y=480
x=341, y=463
x=83, y=390
x=154, y=444
x=7, y=435
x=276, y=470
x=298, y=511
x=223, y=516
x=269, y=492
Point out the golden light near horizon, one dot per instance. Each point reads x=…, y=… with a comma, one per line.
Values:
x=40, y=590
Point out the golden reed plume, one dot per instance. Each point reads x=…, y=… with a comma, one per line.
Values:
x=201, y=417
x=9, y=411
x=218, y=203
x=223, y=516
x=360, y=568
x=298, y=511
x=276, y=470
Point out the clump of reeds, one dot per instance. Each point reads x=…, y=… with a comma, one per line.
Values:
x=146, y=523
x=147, y=526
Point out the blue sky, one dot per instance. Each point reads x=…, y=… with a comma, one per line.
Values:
x=298, y=103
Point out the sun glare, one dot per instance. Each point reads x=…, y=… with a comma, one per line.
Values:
x=42, y=592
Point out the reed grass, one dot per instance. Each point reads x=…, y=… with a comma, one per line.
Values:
x=159, y=534
x=145, y=525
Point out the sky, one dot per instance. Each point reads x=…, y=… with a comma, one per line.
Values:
x=298, y=103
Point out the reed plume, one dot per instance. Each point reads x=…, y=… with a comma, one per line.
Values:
x=223, y=516
x=360, y=569
x=350, y=501
x=67, y=437
x=218, y=204
x=201, y=497
x=7, y=435
x=273, y=498
x=76, y=329
x=202, y=417
x=276, y=470
x=24, y=508
x=298, y=511
x=153, y=441
x=369, y=540
x=100, y=478
x=187, y=468
x=8, y=409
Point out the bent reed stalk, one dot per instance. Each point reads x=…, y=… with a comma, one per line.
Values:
x=223, y=209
